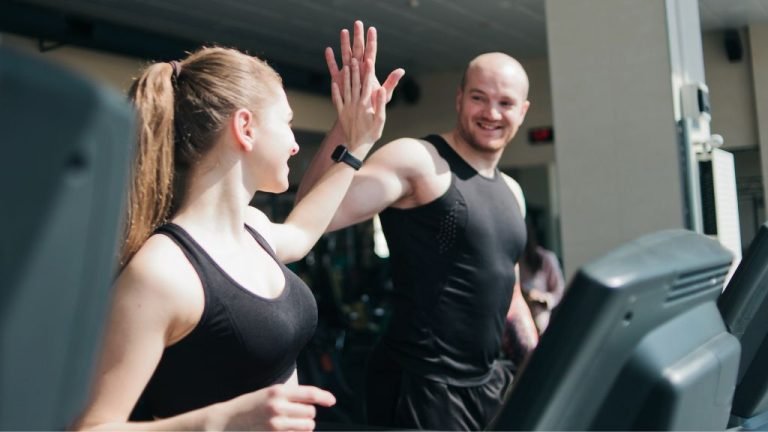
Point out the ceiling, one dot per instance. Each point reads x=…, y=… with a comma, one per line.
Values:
x=419, y=35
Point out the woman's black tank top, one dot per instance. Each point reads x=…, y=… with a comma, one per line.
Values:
x=242, y=343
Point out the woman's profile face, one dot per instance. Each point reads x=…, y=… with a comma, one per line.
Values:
x=276, y=143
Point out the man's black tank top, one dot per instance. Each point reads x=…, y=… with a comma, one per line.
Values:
x=243, y=342
x=453, y=265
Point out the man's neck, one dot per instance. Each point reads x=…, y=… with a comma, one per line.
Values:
x=484, y=163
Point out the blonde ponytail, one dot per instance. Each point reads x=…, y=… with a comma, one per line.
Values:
x=150, y=192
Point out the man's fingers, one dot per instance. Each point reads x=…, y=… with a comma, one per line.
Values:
x=358, y=46
x=311, y=395
x=371, y=45
x=346, y=50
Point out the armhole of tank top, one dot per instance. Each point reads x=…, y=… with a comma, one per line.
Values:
x=178, y=238
x=427, y=206
x=441, y=146
x=516, y=190
x=455, y=162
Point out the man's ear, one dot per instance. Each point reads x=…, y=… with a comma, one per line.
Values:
x=524, y=110
x=243, y=129
x=459, y=94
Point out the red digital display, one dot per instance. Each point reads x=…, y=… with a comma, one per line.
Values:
x=541, y=135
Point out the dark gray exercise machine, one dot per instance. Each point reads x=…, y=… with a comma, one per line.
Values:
x=637, y=343
x=66, y=148
x=744, y=305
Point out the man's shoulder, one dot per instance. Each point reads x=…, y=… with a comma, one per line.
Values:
x=407, y=144
x=415, y=163
x=514, y=186
x=413, y=153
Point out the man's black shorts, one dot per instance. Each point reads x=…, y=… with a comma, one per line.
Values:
x=399, y=399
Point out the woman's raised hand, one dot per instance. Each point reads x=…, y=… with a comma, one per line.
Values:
x=360, y=106
x=364, y=50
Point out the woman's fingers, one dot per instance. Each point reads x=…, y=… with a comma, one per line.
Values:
x=391, y=82
x=369, y=83
x=310, y=395
x=291, y=424
x=361, y=105
x=355, y=88
x=348, y=81
x=350, y=88
x=286, y=408
x=330, y=60
x=293, y=407
x=381, y=103
x=336, y=97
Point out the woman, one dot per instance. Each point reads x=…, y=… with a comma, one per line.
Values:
x=206, y=321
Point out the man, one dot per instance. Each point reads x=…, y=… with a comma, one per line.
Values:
x=455, y=229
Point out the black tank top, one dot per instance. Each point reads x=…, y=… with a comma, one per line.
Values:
x=242, y=343
x=453, y=265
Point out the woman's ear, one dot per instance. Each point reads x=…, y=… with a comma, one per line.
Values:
x=243, y=126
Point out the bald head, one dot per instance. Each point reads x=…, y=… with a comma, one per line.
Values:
x=496, y=63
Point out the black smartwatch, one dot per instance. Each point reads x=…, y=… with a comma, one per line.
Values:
x=341, y=154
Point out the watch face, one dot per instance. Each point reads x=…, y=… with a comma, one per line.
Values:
x=341, y=154
x=338, y=153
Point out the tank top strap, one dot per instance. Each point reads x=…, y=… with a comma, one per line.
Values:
x=262, y=242
x=444, y=149
x=195, y=253
x=203, y=264
x=192, y=250
x=458, y=165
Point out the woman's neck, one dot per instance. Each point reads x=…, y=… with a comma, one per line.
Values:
x=215, y=200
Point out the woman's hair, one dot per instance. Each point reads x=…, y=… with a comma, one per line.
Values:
x=181, y=109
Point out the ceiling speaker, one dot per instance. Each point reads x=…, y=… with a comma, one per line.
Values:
x=733, y=46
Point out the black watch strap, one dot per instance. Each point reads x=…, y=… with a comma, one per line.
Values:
x=341, y=154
